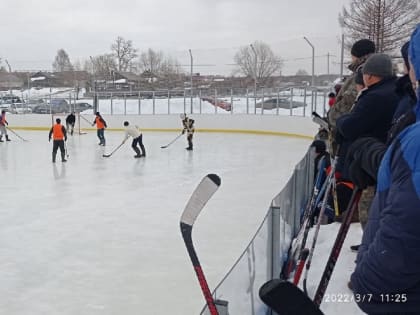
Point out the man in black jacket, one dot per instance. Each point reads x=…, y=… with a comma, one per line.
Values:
x=371, y=116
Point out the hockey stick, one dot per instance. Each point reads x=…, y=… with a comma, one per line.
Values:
x=298, y=243
x=318, y=225
x=85, y=119
x=177, y=137
x=207, y=187
x=113, y=151
x=65, y=149
x=285, y=298
x=8, y=128
x=338, y=244
x=316, y=118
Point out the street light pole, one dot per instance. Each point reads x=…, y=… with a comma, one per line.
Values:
x=255, y=77
x=313, y=60
x=191, y=82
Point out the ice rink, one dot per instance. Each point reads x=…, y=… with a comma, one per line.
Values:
x=101, y=235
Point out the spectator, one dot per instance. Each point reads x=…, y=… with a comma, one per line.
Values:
x=360, y=51
x=331, y=99
x=371, y=116
x=387, y=270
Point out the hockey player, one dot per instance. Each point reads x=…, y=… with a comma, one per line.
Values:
x=100, y=125
x=70, y=122
x=137, y=136
x=59, y=135
x=188, y=125
x=3, y=123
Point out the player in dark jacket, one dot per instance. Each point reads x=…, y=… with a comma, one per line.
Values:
x=188, y=125
x=70, y=122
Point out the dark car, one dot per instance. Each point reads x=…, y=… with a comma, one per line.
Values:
x=80, y=107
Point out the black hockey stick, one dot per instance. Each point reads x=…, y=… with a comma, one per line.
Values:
x=316, y=118
x=177, y=137
x=113, y=151
x=338, y=244
x=285, y=298
x=207, y=187
x=16, y=134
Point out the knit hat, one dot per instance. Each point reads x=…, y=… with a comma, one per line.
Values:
x=379, y=65
x=414, y=51
x=404, y=54
x=319, y=146
x=358, y=79
x=362, y=48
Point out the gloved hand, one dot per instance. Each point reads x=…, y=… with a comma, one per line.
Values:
x=354, y=161
x=183, y=131
x=65, y=139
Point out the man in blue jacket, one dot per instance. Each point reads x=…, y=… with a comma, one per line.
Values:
x=387, y=275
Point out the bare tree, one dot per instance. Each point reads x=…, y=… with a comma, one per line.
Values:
x=257, y=61
x=102, y=65
x=124, y=52
x=151, y=61
x=387, y=23
x=302, y=72
x=62, y=61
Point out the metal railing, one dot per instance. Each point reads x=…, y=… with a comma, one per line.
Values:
x=264, y=256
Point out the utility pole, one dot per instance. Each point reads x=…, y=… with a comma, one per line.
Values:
x=255, y=77
x=95, y=97
x=191, y=81
x=313, y=60
x=328, y=63
x=342, y=56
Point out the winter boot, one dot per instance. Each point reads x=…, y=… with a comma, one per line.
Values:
x=7, y=138
x=143, y=150
x=63, y=157
x=1, y=139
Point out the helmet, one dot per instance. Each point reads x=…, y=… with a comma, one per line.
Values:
x=182, y=116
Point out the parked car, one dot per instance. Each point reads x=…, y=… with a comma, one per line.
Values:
x=7, y=100
x=80, y=107
x=20, y=109
x=47, y=109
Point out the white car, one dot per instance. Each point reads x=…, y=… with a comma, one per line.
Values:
x=20, y=108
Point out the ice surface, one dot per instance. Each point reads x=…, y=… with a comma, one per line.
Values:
x=101, y=235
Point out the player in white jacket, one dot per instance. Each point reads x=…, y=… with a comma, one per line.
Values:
x=133, y=131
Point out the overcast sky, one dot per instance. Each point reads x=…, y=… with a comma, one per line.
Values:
x=33, y=31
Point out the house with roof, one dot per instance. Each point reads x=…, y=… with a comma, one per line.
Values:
x=9, y=81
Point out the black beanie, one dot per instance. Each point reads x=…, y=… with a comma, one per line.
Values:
x=404, y=54
x=362, y=48
x=319, y=146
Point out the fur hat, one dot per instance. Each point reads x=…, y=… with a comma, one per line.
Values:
x=362, y=48
x=414, y=51
x=379, y=65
